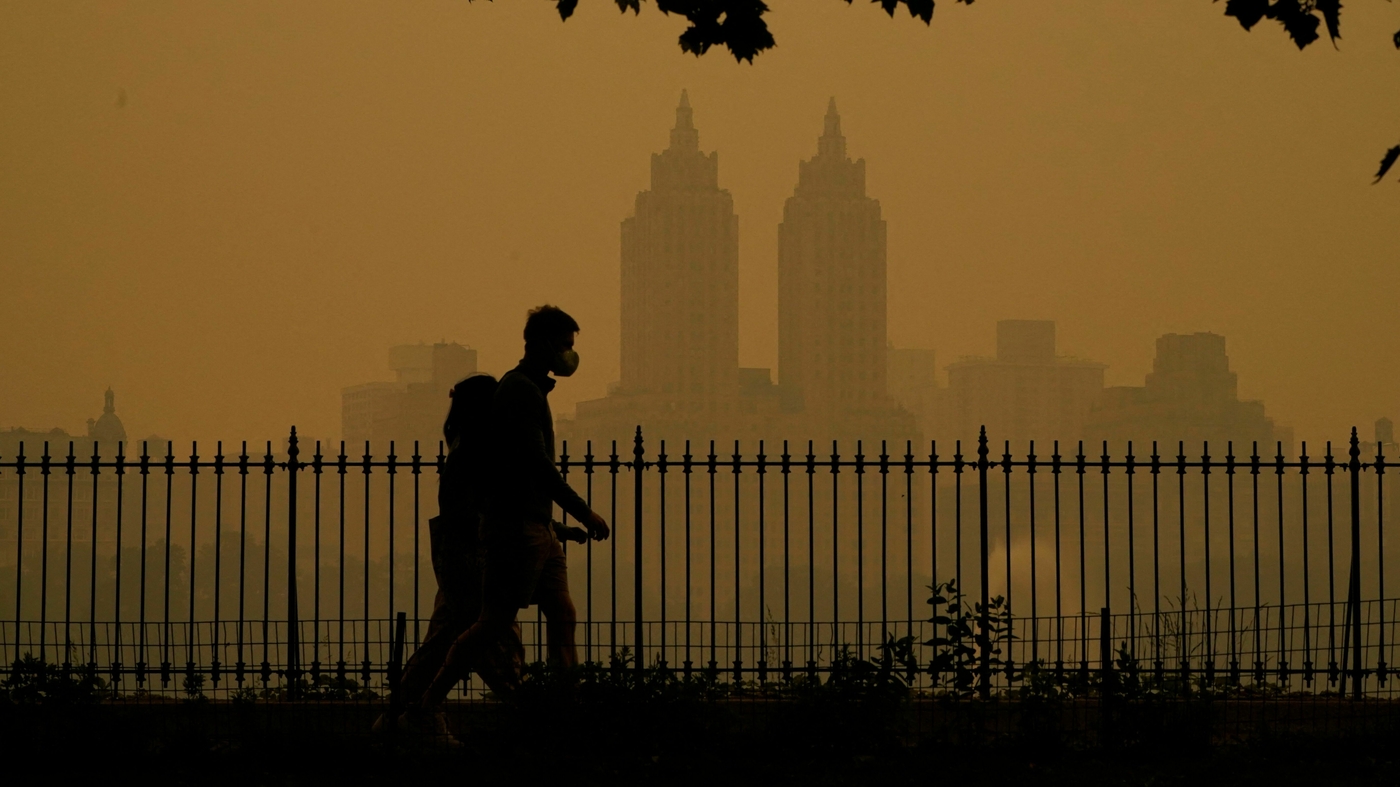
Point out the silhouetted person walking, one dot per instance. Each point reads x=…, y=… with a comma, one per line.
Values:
x=525, y=561
x=456, y=545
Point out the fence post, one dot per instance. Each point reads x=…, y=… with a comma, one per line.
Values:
x=397, y=640
x=984, y=636
x=1354, y=584
x=293, y=646
x=637, y=467
x=1106, y=647
x=1109, y=684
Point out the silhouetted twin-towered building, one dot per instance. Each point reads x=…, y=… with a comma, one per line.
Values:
x=838, y=377
x=680, y=309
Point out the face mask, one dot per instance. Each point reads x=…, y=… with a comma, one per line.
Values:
x=565, y=363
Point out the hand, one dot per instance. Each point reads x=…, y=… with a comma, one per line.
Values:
x=597, y=526
x=575, y=534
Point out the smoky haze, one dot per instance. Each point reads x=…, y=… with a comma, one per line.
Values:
x=228, y=213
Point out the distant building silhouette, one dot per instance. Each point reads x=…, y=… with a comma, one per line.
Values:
x=680, y=310
x=680, y=278
x=1378, y=504
x=413, y=406
x=107, y=428
x=1190, y=395
x=831, y=285
x=832, y=301
x=913, y=384
x=1027, y=392
x=107, y=432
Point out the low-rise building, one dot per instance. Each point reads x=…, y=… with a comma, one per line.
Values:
x=412, y=406
x=1191, y=396
x=1027, y=392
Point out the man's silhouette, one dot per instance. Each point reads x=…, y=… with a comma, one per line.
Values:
x=524, y=559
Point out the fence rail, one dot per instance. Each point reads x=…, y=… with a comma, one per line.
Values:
x=1243, y=571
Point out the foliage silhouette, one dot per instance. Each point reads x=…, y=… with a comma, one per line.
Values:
x=738, y=25
x=966, y=646
x=1390, y=157
x=33, y=681
x=1301, y=19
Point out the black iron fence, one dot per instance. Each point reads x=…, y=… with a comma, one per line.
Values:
x=973, y=570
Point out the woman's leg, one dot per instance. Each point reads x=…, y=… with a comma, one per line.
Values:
x=494, y=632
x=449, y=621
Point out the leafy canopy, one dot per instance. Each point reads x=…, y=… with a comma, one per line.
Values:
x=738, y=26
x=1301, y=19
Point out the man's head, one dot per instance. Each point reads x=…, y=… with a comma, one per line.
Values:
x=549, y=339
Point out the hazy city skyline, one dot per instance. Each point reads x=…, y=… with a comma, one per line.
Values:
x=827, y=391
x=228, y=249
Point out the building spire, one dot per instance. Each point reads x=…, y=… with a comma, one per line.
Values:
x=684, y=136
x=832, y=142
x=107, y=428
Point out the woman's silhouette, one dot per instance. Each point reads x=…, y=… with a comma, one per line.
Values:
x=458, y=553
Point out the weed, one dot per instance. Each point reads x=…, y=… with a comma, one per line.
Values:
x=33, y=681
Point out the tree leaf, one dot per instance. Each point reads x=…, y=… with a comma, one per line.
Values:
x=922, y=9
x=1397, y=39
x=566, y=8
x=1297, y=20
x=1331, y=11
x=1247, y=12
x=736, y=24
x=635, y=6
x=1386, y=163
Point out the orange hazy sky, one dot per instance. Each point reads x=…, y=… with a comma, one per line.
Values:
x=229, y=210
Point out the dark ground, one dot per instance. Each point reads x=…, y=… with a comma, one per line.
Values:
x=679, y=744
x=618, y=727
x=340, y=765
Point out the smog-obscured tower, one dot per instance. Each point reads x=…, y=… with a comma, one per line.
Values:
x=831, y=286
x=680, y=278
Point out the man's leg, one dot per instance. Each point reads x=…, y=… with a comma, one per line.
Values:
x=561, y=619
x=522, y=564
x=561, y=624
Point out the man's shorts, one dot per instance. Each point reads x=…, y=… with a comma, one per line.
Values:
x=524, y=563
